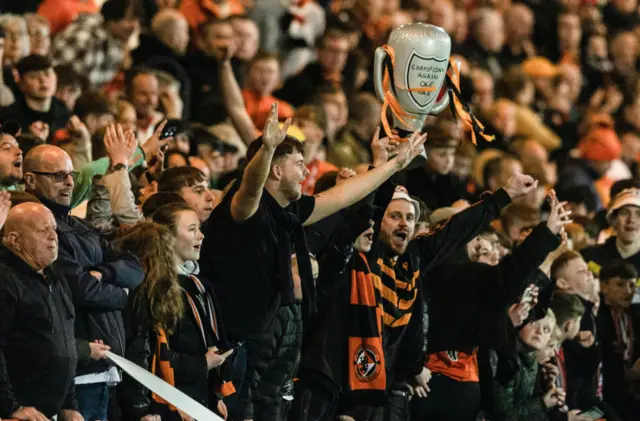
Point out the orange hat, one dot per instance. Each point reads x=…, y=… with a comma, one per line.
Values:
x=600, y=144
x=539, y=67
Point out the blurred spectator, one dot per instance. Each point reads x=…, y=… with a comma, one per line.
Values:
x=94, y=45
x=432, y=183
x=263, y=77
x=70, y=85
x=597, y=150
x=214, y=39
x=143, y=94
x=38, y=110
x=94, y=111
x=517, y=221
x=486, y=42
x=38, y=350
x=165, y=48
x=17, y=44
x=39, y=34
x=351, y=147
x=619, y=334
x=518, y=22
x=569, y=32
x=246, y=37
x=333, y=51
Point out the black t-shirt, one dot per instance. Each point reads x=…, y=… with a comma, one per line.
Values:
x=240, y=260
x=57, y=116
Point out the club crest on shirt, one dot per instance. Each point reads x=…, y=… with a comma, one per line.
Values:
x=366, y=360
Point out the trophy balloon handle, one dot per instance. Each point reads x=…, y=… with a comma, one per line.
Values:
x=378, y=72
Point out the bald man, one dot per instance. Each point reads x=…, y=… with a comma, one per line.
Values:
x=99, y=275
x=37, y=346
x=164, y=49
x=485, y=41
x=518, y=24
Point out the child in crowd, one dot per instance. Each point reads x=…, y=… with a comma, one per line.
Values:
x=519, y=399
x=619, y=324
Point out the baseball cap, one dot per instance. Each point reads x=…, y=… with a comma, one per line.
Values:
x=33, y=63
x=627, y=197
x=401, y=193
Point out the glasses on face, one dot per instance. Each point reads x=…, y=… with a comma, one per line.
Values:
x=59, y=176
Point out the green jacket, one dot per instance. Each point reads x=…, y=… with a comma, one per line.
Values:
x=518, y=400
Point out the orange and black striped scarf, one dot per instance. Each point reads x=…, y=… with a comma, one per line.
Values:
x=367, y=370
x=161, y=363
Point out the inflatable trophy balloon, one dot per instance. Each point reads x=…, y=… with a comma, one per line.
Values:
x=414, y=78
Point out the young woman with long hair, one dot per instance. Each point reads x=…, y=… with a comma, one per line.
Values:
x=173, y=330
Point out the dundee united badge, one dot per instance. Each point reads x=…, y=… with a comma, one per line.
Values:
x=367, y=363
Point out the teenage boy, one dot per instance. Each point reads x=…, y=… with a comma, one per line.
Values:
x=619, y=332
x=582, y=356
x=192, y=185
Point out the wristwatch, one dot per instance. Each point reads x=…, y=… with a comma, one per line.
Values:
x=119, y=167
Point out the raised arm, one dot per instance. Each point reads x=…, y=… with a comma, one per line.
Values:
x=457, y=231
x=247, y=199
x=358, y=187
x=233, y=101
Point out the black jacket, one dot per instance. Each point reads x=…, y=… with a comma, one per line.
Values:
x=300, y=89
x=154, y=54
x=98, y=303
x=57, y=116
x=207, y=105
x=467, y=300
x=435, y=190
x=187, y=355
x=37, y=346
x=618, y=392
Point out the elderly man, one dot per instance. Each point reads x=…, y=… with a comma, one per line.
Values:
x=37, y=346
x=98, y=275
x=518, y=21
x=165, y=47
x=486, y=41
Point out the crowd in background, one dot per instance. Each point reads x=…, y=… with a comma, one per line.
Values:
x=203, y=188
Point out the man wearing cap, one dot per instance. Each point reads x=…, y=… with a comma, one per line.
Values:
x=368, y=375
x=38, y=104
x=623, y=216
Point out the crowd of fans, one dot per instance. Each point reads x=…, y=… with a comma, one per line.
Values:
x=202, y=187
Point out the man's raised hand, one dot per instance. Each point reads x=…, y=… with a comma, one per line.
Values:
x=273, y=135
x=520, y=185
x=120, y=145
x=410, y=149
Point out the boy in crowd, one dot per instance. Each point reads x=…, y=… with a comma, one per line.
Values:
x=262, y=79
x=517, y=221
x=518, y=399
x=433, y=183
x=582, y=357
x=192, y=185
x=619, y=332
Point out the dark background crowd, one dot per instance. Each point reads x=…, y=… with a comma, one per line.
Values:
x=203, y=188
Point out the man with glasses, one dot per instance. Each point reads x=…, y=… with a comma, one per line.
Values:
x=99, y=276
